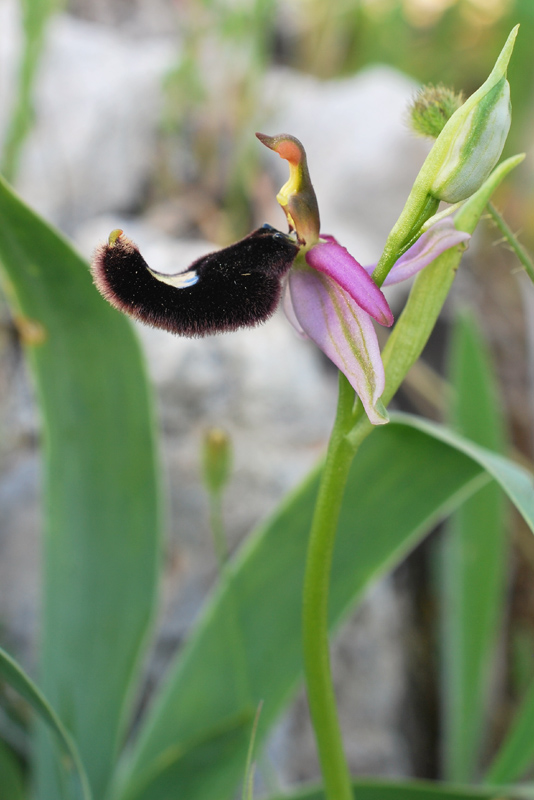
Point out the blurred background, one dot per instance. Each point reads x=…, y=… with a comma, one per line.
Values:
x=141, y=114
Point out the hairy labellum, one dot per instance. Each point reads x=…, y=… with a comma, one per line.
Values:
x=232, y=288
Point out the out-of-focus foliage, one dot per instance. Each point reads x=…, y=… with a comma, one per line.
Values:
x=213, y=97
x=35, y=15
x=449, y=41
x=214, y=94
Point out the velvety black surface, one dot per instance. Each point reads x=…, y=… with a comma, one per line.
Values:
x=238, y=286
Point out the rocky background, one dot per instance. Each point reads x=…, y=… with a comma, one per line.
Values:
x=99, y=157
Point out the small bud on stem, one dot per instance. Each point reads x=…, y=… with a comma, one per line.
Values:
x=432, y=109
x=216, y=460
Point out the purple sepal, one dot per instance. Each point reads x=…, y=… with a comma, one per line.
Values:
x=437, y=239
x=343, y=331
x=332, y=259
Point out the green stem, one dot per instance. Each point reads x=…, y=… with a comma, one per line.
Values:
x=321, y=698
x=511, y=238
x=248, y=782
x=217, y=529
x=233, y=620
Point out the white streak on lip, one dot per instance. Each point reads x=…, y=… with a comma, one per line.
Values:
x=182, y=280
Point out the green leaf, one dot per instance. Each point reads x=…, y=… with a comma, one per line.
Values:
x=519, y=486
x=189, y=767
x=11, y=782
x=473, y=564
x=69, y=763
x=516, y=754
x=102, y=510
x=407, y=790
x=517, y=482
x=393, y=499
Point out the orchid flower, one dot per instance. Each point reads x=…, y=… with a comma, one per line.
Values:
x=329, y=296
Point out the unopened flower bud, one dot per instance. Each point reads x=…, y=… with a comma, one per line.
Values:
x=472, y=141
x=476, y=147
x=216, y=460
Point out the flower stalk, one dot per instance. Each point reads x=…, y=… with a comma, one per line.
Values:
x=216, y=469
x=321, y=697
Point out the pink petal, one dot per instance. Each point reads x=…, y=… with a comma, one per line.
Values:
x=343, y=331
x=437, y=239
x=335, y=261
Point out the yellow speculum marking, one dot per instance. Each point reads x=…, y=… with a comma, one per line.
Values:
x=292, y=186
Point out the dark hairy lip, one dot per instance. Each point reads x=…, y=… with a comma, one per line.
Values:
x=238, y=286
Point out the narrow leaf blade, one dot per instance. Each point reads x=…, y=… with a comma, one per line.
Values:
x=71, y=764
x=473, y=564
x=408, y=790
x=189, y=767
x=102, y=510
x=516, y=754
x=516, y=481
x=11, y=781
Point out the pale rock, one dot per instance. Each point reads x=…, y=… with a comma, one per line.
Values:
x=138, y=16
x=98, y=98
